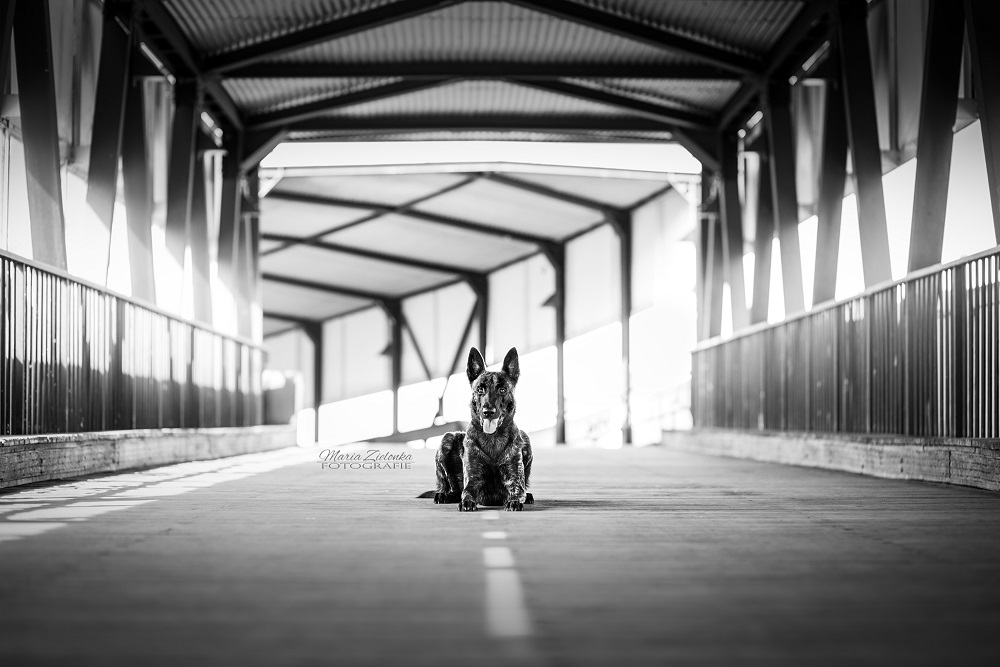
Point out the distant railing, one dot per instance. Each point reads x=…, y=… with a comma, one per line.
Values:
x=75, y=357
x=918, y=357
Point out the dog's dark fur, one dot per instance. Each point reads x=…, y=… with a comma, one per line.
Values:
x=476, y=468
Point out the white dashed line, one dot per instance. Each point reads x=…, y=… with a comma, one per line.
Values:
x=498, y=557
x=506, y=615
x=490, y=516
x=495, y=535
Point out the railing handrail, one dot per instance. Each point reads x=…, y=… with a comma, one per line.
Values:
x=135, y=301
x=716, y=341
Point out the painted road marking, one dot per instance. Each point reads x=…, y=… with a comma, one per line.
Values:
x=490, y=516
x=498, y=557
x=495, y=535
x=506, y=615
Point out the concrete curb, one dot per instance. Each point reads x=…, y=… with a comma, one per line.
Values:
x=27, y=459
x=966, y=462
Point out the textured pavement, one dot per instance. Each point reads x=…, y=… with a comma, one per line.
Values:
x=628, y=557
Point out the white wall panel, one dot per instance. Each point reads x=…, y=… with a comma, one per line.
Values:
x=593, y=281
x=517, y=316
x=437, y=320
x=657, y=228
x=353, y=363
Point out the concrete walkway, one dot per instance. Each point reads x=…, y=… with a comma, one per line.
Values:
x=631, y=557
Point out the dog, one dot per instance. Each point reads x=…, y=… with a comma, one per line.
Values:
x=490, y=463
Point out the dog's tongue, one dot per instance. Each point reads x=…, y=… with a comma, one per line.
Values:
x=490, y=425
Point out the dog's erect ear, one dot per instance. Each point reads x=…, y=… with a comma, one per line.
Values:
x=511, y=366
x=476, y=365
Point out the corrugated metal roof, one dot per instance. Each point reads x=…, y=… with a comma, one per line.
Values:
x=478, y=98
x=695, y=95
x=748, y=26
x=262, y=95
x=221, y=25
x=483, y=30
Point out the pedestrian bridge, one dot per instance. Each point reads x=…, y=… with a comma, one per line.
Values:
x=747, y=251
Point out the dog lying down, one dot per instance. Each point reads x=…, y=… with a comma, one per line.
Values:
x=490, y=463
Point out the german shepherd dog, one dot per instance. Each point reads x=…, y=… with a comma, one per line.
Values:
x=490, y=463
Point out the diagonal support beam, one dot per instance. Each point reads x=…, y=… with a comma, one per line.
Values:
x=109, y=122
x=655, y=112
x=552, y=193
x=323, y=32
x=309, y=110
x=862, y=129
x=40, y=128
x=982, y=17
x=643, y=33
x=938, y=105
x=181, y=169
x=138, y=194
x=763, y=241
x=732, y=224
x=833, y=176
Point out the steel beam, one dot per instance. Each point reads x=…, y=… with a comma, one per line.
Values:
x=180, y=175
x=481, y=286
x=326, y=287
x=138, y=195
x=938, y=106
x=109, y=121
x=6, y=30
x=862, y=129
x=763, y=241
x=556, y=254
x=230, y=210
x=369, y=254
x=415, y=69
x=833, y=175
x=257, y=145
x=622, y=226
x=393, y=310
x=552, y=193
x=732, y=224
x=198, y=239
x=982, y=17
x=485, y=123
x=785, y=200
x=40, y=129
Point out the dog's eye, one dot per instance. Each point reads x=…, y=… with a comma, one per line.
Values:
x=480, y=391
x=503, y=390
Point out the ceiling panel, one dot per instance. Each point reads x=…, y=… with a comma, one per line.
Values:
x=350, y=271
x=390, y=190
x=509, y=208
x=293, y=218
x=416, y=239
x=620, y=192
x=307, y=304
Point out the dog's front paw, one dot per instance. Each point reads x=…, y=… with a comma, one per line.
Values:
x=513, y=506
x=445, y=498
x=529, y=499
x=467, y=505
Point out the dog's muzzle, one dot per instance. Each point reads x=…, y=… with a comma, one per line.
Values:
x=491, y=419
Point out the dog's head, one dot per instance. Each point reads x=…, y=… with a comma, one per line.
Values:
x=492, y=393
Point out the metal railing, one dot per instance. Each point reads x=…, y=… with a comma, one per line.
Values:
x=75, y=357
x=917, y=357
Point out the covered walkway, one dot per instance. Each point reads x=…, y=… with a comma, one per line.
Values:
x=636, y=556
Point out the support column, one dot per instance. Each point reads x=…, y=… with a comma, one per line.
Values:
x=982, y=17
x=109, y=122
x=229, y=214
x=938, y=104
x=40, y=129
x=710, y=238
x=785, y=200
x=763, y=239
x=622, y=224
x=180, y=174
x=199, y=241
x=556, y=254
x=138, y=195
x=393, y=311
x=862, y=128
x=6, y=30
x=314, y=331
x=732, y=223
x=481, y=286
x=833, y=175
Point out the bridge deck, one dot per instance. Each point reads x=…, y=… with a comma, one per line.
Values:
x=629, y=557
